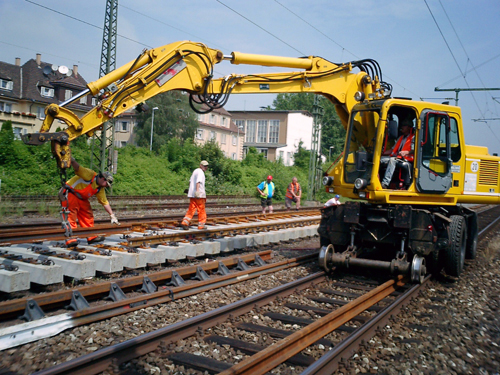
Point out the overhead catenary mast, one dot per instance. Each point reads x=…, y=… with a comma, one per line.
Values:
x=103, y=142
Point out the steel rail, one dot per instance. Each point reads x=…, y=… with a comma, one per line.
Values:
x=13, y=308
x=132, y=207
x=228, y=231
x=51, y=326
x=22, y=235
x=113, y=356
x=343, y=351
x=279, y=352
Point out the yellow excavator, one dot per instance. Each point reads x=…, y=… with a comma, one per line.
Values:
x=410, y=220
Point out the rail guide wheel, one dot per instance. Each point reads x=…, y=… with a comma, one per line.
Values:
x=418, y=269
x=325, y=256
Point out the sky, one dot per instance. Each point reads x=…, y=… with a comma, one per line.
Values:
x=419, y=44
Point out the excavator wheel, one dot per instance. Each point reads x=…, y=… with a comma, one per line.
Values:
x=471, y=249
x=455, y=253
x=418, y=269
x=325, y=254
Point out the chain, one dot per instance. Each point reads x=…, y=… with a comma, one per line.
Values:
x=63, y=197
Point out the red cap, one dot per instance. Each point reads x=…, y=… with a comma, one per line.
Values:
x=269, y=177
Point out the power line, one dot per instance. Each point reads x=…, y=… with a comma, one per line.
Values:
x=343, y=48
x=164, y=23
x=84, y=22
x=47, y=53
x=260, y=27
x=458, y=66
x=318, y=30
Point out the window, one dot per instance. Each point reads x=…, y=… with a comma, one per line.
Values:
x=250, y=134
x=262, y=131
x=223, y=121
x=456, y=154
x=233, y=156
x=6, y=85
x=47, y=92
x=123, y=126
x=5, y=107
x=17, y=132
x=240, y=124
x=199, y=134
x=40, y=113
x=123, y=143
x=274, y=131
x=200, y=117
x=223, y=138
x=83, y=100
x=68, y=94
x=235, y=140
x=282, y=155
x=94, y=102
x=212, y=119
x=213, y=136
x=263, y=151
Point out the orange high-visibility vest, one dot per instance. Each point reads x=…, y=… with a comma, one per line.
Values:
x=407, y=146
x=294, y=187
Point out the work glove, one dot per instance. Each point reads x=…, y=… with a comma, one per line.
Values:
x=114, y=220
x=197, y=194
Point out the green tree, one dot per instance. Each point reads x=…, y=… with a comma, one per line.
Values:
x=174, y=118
x=6, y=144
x=301, y=157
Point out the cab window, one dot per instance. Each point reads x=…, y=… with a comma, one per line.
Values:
x=435, y=143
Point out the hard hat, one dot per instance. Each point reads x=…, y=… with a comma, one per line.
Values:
x=337, y=196
x=108, y=177
x=269, y=177
x=204, y=163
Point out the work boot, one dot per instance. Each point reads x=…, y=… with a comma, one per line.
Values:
x=72, y=242
x=202, y=226
x=185, y=225
x=95, y=239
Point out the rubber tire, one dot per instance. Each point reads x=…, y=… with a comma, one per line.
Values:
x=471, y=249
x=455, y=253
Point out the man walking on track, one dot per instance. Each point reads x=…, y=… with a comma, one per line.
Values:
x=266, y=191
x=197, y=197
x=79, y=189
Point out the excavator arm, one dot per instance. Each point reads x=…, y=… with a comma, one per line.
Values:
x=188, y=66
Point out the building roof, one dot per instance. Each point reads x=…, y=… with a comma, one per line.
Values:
x=10, y=72
x=34, y=78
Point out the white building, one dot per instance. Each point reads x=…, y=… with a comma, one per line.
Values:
x=276, y=134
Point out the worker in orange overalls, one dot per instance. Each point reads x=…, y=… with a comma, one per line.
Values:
x=80, y=188
x=197, y=197
x=293, y=194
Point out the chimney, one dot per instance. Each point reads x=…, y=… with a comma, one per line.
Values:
x=18, y=61
x=75, y=70
x=38, y=59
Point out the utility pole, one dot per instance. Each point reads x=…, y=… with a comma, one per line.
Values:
x=458, y=90
x=103, y=141
x=313, y=160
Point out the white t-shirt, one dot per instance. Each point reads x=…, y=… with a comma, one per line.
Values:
x=197, y=176
x=332, y=202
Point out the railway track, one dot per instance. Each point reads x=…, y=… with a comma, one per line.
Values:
x=123, y=205
x=354, y=313
x=43, y=256
x=172, y=347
